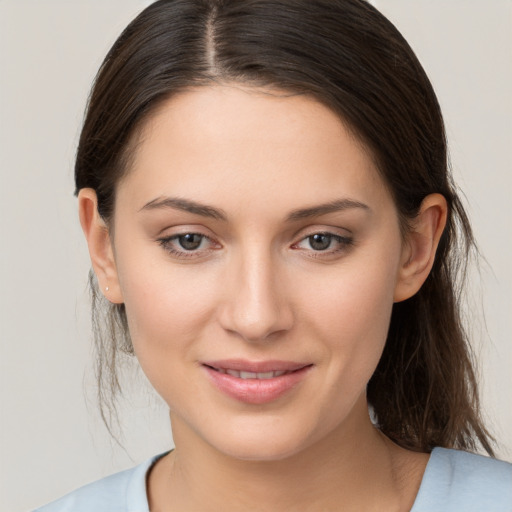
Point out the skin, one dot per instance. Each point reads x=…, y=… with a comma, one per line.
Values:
x=256, y=288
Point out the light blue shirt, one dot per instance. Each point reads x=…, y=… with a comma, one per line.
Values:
x=454, y=481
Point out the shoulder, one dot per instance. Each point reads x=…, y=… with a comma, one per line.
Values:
x=122, y=492
x=458, y=480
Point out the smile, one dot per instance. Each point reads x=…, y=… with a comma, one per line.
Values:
x=256, y=382
x=251, y=375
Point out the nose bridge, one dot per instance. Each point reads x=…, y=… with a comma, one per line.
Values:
x=256, y=305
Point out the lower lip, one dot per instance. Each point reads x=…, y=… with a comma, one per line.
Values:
x=256, y=391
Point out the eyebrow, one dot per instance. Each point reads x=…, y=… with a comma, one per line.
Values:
x=185, y=205
x=189, y=206
x=324, y=209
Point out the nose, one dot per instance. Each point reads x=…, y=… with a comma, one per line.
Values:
x=255, y=305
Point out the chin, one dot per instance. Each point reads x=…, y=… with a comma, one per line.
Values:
x=262, y=443
x=262, y=452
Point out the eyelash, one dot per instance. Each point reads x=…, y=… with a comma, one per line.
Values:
x=343, y=242
x=166, y=243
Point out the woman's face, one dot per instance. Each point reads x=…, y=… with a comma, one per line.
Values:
x=258, y=252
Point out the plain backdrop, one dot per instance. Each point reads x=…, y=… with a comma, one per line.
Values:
x=51, y=437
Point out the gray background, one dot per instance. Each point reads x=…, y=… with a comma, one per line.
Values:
x=51, y=438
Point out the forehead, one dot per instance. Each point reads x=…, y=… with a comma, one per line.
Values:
x=252, y=144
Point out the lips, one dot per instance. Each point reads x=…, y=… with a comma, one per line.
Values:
x=255, y=382
x=251, y=375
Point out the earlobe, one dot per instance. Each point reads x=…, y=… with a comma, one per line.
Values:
x=100, y=246
x=420, y=247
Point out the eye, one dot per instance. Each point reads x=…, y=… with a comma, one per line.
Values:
x=186, y=245
x=323, y=242
x=320, y=241
x=190, y=241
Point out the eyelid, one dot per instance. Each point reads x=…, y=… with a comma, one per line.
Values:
x=180, y=228
x=166, y=241
x=322, y=229
x=336, y=236
x=344, y=242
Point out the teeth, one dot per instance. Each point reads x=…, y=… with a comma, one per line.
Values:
x=252, y=375
x=248, y=375
x=266, y=375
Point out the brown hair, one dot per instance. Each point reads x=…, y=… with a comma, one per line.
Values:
x=345, y=54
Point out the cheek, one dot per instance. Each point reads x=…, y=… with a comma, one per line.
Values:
x=167, y=307
x=356, y=297
x=342, y=316
x=351, y=314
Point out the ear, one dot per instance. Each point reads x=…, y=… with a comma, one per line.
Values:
x=100, y=246
x=420, y=246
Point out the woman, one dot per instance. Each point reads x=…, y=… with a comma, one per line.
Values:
x=264, y=190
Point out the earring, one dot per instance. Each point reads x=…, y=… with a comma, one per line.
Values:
x=106, y=289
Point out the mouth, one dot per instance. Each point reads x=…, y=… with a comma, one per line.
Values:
x=256, y=382
x=250, y=375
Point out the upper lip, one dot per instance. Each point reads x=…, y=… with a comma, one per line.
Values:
x=256, y=366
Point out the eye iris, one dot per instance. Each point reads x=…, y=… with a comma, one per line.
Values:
x=320, y=242
x=190, y=241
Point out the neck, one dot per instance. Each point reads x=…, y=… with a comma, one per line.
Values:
x=355, y=466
